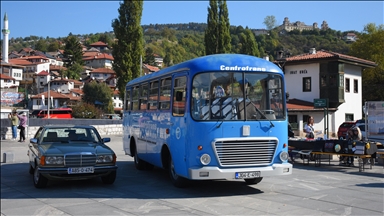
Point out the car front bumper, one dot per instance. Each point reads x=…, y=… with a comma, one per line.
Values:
x=62, y=172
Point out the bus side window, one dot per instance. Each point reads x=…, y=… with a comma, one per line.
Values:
x=178, y=106
x=153, y=95
x=165, y=93
x=135, y=98
x=127, y=100
x=143, y=96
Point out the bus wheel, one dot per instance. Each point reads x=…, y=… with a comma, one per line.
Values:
x=139, y=164
x=253, y=180
x=176, y=180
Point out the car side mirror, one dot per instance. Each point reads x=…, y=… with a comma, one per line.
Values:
x=105, y=140
x=34, y=141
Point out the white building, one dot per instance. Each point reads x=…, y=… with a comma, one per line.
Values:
x=101, y=60
x=324, y=75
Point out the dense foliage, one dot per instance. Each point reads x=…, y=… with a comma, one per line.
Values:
x=86, y=110
x=99, y=94
x=129, y=48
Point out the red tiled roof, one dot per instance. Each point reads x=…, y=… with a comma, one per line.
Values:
x=151, y=68
x=53, y=94
x=6, y=77
x=56, y=67
x=90, y=53
x=103, y=70
x=78, y=91
x=21, y=62
x=116, y=92
x=43, y=73
x=301, y=105
x=100, y=56
x=34, y=57
x=98, y=44
x=322, y=54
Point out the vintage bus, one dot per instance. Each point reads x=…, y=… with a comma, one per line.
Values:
x=55, y=113
x=215, y=117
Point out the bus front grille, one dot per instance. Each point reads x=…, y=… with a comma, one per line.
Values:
x=80, y=160
x=245, y=152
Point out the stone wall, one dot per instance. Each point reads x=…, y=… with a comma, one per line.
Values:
x=104, y=126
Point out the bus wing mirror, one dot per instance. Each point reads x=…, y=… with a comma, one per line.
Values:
x=179, y=96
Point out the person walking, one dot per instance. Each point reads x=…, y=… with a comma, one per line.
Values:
x=14, y=123
x=22, y=125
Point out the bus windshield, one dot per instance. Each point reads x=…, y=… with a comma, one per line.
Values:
x=231, y=96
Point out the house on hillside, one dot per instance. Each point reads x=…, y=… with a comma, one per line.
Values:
x=101, y=74
x=12, y=75
x=101, y=60
x=323, y=75
x=148, y=69
x=100, y=45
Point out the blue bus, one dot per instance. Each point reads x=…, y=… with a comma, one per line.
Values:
x=214, y=117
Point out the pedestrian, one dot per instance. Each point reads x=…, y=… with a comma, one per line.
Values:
x=309, y=128
x=22, y=125
x=14, y=123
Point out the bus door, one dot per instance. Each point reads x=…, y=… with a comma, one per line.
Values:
x=178, y=141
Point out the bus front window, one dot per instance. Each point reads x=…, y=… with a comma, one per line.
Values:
x=234, y=96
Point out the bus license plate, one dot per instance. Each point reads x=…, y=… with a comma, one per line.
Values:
x=246, y=175
x=78, y=170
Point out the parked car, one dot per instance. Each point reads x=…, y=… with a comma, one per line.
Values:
x=362, y=129
x=70, y=153
x=343, y=128
x=112, y=116
x=360, y=122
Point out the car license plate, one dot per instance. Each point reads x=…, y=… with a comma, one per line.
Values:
x=78, y=170
x=246, y=175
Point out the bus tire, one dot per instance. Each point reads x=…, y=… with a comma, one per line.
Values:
x=176, y=180
x=253, y=180
x=149, y=166
x=139, y=164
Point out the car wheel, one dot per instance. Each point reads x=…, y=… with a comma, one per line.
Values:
x=253, y=180
x=110, y=178
x=176, y=180
x=39, y=180
x=31, y=170
x=139, y=164
x=149, y=166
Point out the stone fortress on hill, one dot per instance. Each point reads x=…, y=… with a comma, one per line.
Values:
x=288, y=26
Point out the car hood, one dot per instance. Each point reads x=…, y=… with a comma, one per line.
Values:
x=65, y=148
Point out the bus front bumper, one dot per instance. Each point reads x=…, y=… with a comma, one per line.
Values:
x=211, y=173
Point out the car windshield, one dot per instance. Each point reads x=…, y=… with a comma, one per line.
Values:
x=70, y=134
x=231, y=96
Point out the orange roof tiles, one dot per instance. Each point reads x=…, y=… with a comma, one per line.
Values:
x=151, y=68
x=103, y=70
x=43, y=73
x=90, y=53
x=53, y=94
x=6, y=77
x=100, y=56
x=322, y=54
x=98, y=44
x=21, y=62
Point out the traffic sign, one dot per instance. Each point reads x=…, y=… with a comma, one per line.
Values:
x=320, y=103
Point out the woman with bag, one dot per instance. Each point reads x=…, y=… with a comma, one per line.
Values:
x=22, y=125
x=15, y=123
x=309, y=129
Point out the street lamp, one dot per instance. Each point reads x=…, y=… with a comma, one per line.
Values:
x=49, y=94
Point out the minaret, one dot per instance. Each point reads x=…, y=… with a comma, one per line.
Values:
x=5, y=38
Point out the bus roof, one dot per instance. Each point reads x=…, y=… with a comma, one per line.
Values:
x=216, y=62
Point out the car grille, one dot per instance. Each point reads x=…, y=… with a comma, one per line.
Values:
x=245, y=152
x=80, y=160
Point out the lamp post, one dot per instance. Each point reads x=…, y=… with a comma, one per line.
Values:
x=49, y=94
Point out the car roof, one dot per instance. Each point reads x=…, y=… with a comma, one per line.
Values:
x=66, y=126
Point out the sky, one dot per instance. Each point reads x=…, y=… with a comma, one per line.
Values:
x=59, y=18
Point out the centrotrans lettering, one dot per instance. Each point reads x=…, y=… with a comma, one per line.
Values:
x=238, y=68
x=202, y=124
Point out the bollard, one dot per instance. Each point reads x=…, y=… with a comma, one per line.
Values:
x=7, y=156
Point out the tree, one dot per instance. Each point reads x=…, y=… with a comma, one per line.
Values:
x=41, y=45
x=74, y=71
x=86, y=110
x=270, y=22
x=370, y=46
x=54, y=46
x=99, y=94
x=249, y=44
x=217, y=34
x=129, y=47
x=149, y=57
x=73, y=52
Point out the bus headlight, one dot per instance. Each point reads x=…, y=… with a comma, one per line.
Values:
x=284, y=156
x=205, y=159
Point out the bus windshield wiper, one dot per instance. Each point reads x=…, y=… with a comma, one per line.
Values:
x=259, y=111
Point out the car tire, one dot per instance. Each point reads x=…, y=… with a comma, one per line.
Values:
x=39, y=181
x=253, y=180
x=139, y=164
x=31, y=169
x=176, y=180
x=110, y=178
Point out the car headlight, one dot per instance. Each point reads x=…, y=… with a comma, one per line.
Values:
x=104, y=159
x=54, y=160
x=284, y=156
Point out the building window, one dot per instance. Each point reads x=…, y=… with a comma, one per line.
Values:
x=341, y=80
x=347, y=85
x=349, y=117
x=306, y=84
x=292, y=119
x=355, y=86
